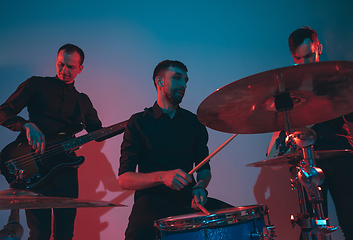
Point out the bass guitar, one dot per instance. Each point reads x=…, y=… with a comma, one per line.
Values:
x=23, y=168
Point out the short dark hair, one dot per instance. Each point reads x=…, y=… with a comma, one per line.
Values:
x=164, y=65
x=297, y=37
x=69, y=48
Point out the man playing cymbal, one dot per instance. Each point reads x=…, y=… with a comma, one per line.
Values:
x=331, y=135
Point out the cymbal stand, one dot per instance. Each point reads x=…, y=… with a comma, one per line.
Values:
x=307, y=175
x=13, y=229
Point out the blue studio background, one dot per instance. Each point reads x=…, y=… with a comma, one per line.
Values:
x=219, y=41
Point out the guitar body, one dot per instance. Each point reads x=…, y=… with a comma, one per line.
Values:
x=23, y=168
x=37, y=168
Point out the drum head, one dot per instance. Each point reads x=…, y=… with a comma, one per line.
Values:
x=216, y=218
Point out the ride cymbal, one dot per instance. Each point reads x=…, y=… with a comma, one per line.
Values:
x=320, y=91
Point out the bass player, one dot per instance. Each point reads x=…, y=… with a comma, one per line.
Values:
x=52, y=103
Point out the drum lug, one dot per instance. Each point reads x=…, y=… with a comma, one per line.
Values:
x=269, y=230
x=257, y=236
x=269, y=234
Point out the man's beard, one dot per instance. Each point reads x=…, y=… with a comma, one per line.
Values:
x=173, y=97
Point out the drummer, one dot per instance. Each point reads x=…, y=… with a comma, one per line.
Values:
x=165, y=141
x=334, y=134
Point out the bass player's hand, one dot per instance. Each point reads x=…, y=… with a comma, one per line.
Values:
x=35, y=137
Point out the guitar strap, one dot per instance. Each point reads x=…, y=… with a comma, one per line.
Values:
x=80, y=104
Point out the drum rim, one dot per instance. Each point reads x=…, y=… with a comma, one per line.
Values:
x=217, y=218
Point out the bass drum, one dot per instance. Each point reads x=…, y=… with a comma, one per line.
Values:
x=224, y=224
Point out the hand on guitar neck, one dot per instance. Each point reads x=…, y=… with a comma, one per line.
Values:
x=35, y=137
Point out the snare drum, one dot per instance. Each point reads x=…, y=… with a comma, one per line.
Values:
x=223, y=224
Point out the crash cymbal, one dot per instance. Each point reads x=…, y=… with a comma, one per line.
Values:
x=24, y=199
x=320, y=91
x=290, y=158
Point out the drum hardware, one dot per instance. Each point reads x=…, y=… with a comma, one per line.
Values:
x=256, y=235
x=310, y=226
x=280, y=100
x=270, y=229
x=309, y=177
x=302, y=220
x=282, y=146
x=13, y=229
x=268, y=233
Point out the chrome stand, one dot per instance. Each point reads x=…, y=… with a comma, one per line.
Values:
x=309, y=177
x=13, y=229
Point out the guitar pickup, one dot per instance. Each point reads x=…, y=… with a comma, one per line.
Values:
x=14, y=170
x=11, y=166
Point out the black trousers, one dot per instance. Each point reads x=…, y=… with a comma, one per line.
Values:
x=39, y=221
x=338, y=180
x=149, y=208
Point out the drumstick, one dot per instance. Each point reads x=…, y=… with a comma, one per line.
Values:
x=204, y=210
x=212, y=154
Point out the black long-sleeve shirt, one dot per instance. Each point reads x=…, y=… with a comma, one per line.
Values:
x=155, y=142
x=51, y=103
x=334, y=134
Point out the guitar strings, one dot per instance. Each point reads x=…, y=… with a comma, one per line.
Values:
x=54, y=149
x=28, y=159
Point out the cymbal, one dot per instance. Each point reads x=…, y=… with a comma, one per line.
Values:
x=293, y=158
x=320, y=91
x=24, y=199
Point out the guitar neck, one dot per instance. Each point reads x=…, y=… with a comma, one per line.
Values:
x=103, y=132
